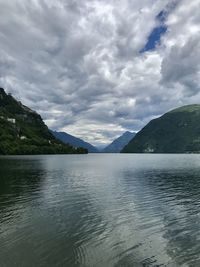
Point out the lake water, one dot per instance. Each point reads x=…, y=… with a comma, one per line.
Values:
x=100, y=210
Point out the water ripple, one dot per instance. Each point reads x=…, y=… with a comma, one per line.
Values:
x=100, y=210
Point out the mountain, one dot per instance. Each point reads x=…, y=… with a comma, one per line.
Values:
x=177, y=131
x=74, y=141
x=117, y=145
x=23, y=131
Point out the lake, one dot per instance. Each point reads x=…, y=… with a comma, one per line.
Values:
x=100, y=210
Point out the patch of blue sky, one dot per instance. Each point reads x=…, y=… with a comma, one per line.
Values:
x=156, y=34
x=154, y=38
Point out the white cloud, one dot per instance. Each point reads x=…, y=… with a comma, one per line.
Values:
x=78, y=63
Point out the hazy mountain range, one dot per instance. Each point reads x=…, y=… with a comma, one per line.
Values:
x=118, y=144
x=115, y=147
x=74, y=141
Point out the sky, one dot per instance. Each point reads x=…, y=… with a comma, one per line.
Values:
x=97, y=68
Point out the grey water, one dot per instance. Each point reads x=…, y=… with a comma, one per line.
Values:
x=100, y=210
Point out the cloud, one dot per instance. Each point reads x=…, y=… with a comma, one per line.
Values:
x=78, y=63
x=181, y=62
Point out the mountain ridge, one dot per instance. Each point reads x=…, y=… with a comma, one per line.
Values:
x=23, y=131
x=117, y=145
x=176, y=131
x=75, y=141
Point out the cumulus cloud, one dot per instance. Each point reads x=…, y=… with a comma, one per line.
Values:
x=79, y=63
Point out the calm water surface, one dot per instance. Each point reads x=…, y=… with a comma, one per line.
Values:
x=100, y=210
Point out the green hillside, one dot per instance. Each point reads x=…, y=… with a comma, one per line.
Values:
x=22, y=131
x=177, y=131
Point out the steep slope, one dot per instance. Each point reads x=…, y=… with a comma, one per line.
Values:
x=177, y=131
x=117, y=145
x=22, y=131
x=74, y=141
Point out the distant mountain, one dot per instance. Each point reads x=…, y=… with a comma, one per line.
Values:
x=117, y=145
x=177, y=131
x=101, y=147
x=74, y=141
x=22, y=131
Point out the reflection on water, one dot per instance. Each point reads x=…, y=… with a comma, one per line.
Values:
x=100, y=210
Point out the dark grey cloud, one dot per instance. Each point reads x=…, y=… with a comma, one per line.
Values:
x=182, y=65
x=77, y=63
